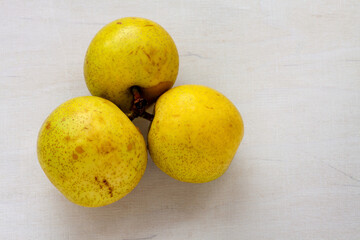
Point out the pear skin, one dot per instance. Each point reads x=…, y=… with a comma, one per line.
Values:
x=131, y=52
x=195, y=133
x=92, y=153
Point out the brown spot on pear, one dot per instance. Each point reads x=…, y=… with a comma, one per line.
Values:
x=106, y=147
x=129, y=147
x=79, y=149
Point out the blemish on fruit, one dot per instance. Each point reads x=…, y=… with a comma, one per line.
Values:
x=106, y=148
x=79, y=149
x=137, y=49
x=148, y=56
x=101, y=120
x=105, y=182
x=119, y=23
x=48, y=125
x=67, y=138
x=75, y=156
x=96, y=179
x=148, y=25
x=111, y=191
x=131, y=52
x=129, y=147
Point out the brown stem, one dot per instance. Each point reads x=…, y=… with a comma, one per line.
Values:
x=148, y=116
x=139, y=106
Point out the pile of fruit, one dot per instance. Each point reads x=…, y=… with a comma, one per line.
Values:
x=92, y=152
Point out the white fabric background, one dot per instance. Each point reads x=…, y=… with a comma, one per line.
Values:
x=291, y=67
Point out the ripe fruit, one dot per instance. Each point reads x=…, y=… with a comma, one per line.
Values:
x=91, y=151
x=195, y=133
x=131, y=52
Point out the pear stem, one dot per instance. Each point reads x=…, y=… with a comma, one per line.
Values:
x=139, y=106
x=148, y=116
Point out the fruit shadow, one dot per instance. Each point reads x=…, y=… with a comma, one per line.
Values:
x=158, y=202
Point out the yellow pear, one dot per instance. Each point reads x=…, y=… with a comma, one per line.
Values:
x=195, y=133
x=91, y=151
x=131, y=52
